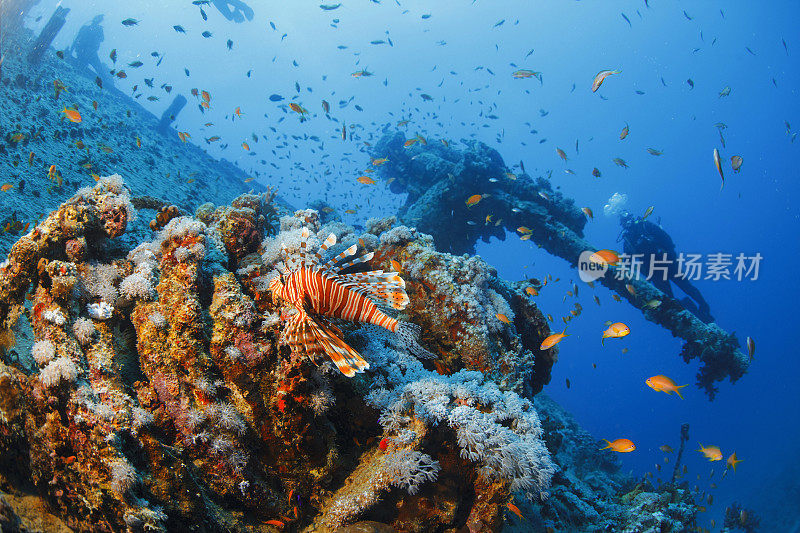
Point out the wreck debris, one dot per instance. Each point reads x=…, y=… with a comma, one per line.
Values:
x=435, y=178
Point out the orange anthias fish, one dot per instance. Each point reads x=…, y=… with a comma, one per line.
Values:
x=609, y=257
x=732, y=462
x=415, y=140
x=319, y=292
x=624, y=132
x=712, y=453
x=617, y=330
x=246, y=146
x=561, y=153
x=298, y=108
x=601, y=76
x=474, y=199
x=620, y=445
x=6, y=187
x=514, y=509
x=72, y=114
x=503, y=318
x=664, y=384
x=379, y=162
x=238, y=112
x=553, y=339
x=366, y=180
x=588, y=212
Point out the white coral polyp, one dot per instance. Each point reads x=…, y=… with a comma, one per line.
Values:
x=410, y=469
x=137, y=285
x=55, y=316
x=43, y=351
x=60, y=369
x=100, y=311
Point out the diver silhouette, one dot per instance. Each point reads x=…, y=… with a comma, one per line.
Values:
x=85, y=47
x=640, y=236
x=234, y=10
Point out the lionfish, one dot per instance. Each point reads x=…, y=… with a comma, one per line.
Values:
x=320, y=292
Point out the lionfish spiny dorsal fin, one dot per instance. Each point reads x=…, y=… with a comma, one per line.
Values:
x=303, y=246
x=285, y=257
x=347, y=253
x=330, y=241
x=363, y=259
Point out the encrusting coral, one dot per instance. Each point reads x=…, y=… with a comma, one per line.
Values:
x=157, y=394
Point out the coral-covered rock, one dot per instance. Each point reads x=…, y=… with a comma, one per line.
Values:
x=76, y=249
x=164, y=215
x=158, y=394
x=470, y=318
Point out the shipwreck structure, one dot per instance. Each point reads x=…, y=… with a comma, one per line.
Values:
x=437, y=179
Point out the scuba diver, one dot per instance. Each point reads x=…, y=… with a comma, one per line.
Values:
x=85, y=47
x=642, y=237
x=239, y=10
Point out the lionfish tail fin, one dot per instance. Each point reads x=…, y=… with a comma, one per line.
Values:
x=408, y=333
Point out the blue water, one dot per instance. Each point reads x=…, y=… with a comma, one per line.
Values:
x=571, y=41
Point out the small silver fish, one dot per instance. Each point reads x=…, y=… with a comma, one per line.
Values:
x=751, y=347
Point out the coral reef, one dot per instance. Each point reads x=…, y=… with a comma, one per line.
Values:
x=155, y=394
x=439, y=179
x=589, y=493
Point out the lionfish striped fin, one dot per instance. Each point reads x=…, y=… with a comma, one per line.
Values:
x=346, y=359
x=303, y=246
x=284, y=254
x=304, y=334
x=387, y=293
x=330, y=241
x=372, y=276
x=346, y=253
x=363, y=259
x=394, y=300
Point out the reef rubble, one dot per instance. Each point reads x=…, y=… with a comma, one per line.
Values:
x=438, y=180
x=144, y=386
